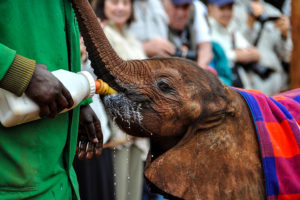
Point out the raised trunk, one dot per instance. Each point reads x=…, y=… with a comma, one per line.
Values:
x=104, y=60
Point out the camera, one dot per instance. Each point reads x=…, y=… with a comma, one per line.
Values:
x=262, y=71
x=263, y=18
x=192, y=55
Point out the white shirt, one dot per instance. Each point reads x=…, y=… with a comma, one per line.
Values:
x=223, y=36
x=151, y=20
x=200, y=23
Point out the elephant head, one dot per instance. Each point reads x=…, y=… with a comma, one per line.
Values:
x=193, y=121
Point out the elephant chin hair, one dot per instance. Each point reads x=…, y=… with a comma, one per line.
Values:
x=119, y=106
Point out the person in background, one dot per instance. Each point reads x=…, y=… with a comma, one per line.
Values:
x=185, y=32
x=219, y=63
x=151, y=28
x=203, y=37
x=236, y=47
x=36, y=157
x=286, y=8
x=268, y=29
x=129, y=154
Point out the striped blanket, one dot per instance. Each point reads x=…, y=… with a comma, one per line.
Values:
x=277, y=122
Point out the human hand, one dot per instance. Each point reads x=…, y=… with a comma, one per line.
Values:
x=253, y=54
x=83, y=52
x=158, y=46
x=257, y=9
x=90, y=138
x=247, y=55
x=48, y=92
x=205, y=54
x=283, y=24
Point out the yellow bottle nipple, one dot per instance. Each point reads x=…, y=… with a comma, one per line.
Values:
x=103, y=88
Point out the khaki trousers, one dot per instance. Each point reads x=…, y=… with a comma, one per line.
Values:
x=128, y=173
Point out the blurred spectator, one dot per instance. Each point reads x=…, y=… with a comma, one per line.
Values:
x=151, y=28
x=95, y=177
x=268, y=29
x=236, y=47
x=220, y=64
x=286, y=8
x=203, y=37
x=219, y=61
x=128, y=156
x=277, y=4
x=185, y=30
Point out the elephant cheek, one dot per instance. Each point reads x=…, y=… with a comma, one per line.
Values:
x=173, y=128
x=152, y=123
x=193, y=110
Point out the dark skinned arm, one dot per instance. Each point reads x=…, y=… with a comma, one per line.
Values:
x=52, y=97
x=48, y=92
x=90, y=138
x=38, y=83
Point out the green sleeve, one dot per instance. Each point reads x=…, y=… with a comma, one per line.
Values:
x=86, y=102
x=16, y=71
x=7, y=56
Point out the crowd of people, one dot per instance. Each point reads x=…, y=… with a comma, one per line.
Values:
x=246, y=43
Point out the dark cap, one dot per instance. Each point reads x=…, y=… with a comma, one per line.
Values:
x=181, y=2
x=220, y=2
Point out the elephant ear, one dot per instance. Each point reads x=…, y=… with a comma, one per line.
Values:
x=179, y=172
x=175, y=171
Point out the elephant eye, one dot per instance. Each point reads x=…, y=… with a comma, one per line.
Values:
x=164, y=87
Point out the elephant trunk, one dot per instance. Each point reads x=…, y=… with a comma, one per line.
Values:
x=104, y=60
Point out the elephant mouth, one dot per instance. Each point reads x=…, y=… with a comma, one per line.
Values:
x=121, y=108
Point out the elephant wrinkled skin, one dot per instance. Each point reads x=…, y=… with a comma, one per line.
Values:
x=203, y=141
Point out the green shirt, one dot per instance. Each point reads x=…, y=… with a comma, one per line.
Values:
x=36, y=158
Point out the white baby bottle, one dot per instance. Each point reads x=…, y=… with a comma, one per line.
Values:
x=16, y=110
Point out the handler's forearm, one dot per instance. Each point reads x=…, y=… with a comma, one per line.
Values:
x=205, y=54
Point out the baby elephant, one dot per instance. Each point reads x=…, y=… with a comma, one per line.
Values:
x=208, y=141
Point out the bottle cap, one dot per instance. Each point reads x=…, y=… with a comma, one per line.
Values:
x=91, y=81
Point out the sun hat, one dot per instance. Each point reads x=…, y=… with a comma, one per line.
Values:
x=181, y=2
x=220, y=2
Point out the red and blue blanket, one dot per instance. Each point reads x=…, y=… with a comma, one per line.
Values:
x=277, y=122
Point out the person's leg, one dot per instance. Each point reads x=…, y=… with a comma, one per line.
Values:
x=95, y=177
x=120, y=159
x=135, y=178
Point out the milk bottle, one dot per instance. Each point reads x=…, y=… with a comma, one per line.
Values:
x=16, y=110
